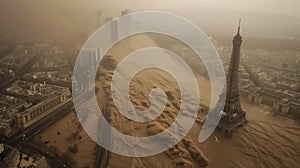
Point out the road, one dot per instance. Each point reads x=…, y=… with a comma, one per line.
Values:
x=21, y=139
x=22, y=71
x=102, y=157
x=44, y=123
x=252, y=75
x=49, y=69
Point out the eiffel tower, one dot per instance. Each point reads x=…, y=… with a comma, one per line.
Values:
x=233, y=115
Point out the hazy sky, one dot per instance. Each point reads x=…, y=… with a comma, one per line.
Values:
x=283, y=7
x=287, y=7
x=261, y=18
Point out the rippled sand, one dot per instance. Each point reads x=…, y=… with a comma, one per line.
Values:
x=185, y=153
x=66, y=133
x=266, y=141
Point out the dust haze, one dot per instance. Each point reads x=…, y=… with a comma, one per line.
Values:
x=275, y=22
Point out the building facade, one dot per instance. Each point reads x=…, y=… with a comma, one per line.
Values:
x=42, y=109
x=6, y=127
x=282, y=102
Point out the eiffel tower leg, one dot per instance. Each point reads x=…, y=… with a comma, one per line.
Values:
x=228, y=134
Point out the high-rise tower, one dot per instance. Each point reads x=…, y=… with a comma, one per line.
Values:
x=98, y=19
x=233, y=115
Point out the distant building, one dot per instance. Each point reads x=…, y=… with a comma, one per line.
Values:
x=108, y=19
x=88, y=59
x=114, y=34
x=282, y=102
x=127, y=25
x=125, y=12
x=31, y=89
x=98, y=18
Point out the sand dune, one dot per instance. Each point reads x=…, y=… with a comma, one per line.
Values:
x=267, y=140
x=184, y=154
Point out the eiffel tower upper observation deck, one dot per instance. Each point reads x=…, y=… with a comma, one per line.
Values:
x=233, y=115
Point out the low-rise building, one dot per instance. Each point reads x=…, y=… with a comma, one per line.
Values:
x=41, y=163
x=6, y=127
x=42, y=109
x=9, y=157
x=1, y=148
x=282, y=102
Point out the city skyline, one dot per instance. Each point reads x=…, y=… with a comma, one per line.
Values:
x=67, y=93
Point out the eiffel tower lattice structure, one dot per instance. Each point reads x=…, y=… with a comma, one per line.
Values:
x=233, y=115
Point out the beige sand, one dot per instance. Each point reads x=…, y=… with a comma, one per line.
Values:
x=185, y=153
x=70, y=135
x=266, y=141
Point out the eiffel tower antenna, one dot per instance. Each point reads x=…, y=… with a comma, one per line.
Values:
x=239, y=26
